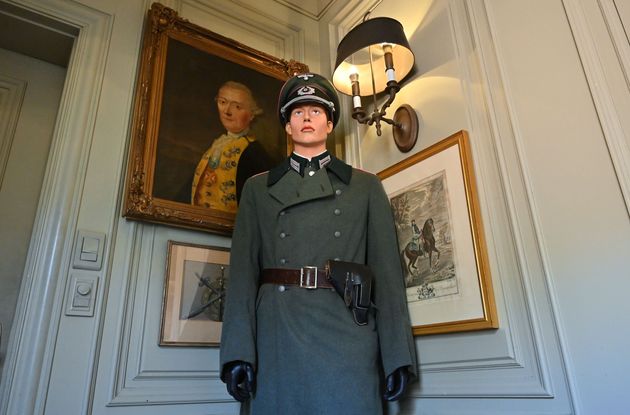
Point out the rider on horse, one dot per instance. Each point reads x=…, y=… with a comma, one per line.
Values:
x=416, y=238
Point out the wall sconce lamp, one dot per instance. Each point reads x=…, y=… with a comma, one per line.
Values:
x=367, y=54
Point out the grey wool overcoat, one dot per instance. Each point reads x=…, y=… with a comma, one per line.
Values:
x=309, y=355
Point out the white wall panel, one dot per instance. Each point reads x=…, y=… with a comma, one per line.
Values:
x=604, y=52
x=270, y=27
x=246, y=26
x=146, y=372
x=562, y=135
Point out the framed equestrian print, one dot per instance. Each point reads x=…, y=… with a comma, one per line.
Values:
x=194, y=295
x=204, y=121
x=440, y=234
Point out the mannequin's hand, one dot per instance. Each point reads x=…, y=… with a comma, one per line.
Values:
x=396, y=383
x=239, y=379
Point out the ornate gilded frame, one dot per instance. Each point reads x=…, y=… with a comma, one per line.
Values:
x=450, y=291
x=165, y=34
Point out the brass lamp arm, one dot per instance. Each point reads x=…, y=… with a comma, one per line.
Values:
x=377, y=116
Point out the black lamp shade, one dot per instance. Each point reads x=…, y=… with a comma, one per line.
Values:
x=353, y=55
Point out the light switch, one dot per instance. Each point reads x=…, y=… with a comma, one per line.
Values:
x=81, y=295
x=88, y=251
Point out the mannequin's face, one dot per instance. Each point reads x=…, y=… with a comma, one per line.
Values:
x=309, y=127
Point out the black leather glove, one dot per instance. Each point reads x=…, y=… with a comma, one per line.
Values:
x=396, y=383
x=239, y=379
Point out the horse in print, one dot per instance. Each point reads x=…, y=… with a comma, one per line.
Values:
x=414, y=249
x=408, y=256
x=429, y=241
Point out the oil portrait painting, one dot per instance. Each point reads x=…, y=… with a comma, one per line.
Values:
x=204, y=121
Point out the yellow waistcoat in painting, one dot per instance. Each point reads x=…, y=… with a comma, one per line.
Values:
x=214, y=182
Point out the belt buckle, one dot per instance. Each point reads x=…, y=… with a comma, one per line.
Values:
x=310, y=283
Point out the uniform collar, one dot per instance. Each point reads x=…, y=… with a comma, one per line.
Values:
x=300, y=164
x=342, y=170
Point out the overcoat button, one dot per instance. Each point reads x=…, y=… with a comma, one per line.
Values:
x=283, y=235
x=337, y=234
x=282, y=213
x=311, y=173
x=338, y=192
x=337, y=212
x=283, y=261
x=281, y=288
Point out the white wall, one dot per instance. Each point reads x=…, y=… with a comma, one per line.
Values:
x=520, y=76
x=544, y=93
x=31, y=88
x=566, y=129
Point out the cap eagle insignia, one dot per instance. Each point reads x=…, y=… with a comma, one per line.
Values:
x=307, y=90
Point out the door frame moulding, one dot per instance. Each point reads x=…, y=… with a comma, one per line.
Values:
x=490, y=115
x=609, y=118
x=31, y=343
x=9, y=116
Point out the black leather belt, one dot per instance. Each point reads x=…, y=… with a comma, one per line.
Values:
x=305, y=277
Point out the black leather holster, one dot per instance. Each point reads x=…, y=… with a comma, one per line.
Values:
x=353, y=282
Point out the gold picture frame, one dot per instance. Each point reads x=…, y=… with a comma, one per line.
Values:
x=441, y=240
x=175, y=121
x=194, y=295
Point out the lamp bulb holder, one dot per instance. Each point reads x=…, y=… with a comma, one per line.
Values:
x=404, y=124
x=393, y=85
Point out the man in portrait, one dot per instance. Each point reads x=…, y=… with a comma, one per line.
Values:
x=233, y=156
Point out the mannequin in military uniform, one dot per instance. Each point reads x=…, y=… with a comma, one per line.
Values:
x=289, y=343
x=233, y=156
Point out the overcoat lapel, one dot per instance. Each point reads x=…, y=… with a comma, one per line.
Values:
x=293, y=189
